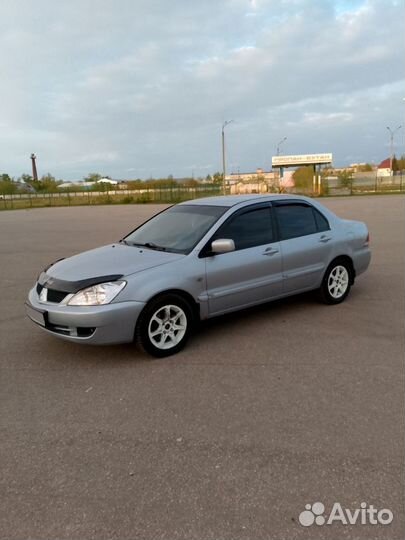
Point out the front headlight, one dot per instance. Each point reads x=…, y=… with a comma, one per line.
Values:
x=97, y=295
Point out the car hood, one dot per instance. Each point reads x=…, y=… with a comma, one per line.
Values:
x=112, y=260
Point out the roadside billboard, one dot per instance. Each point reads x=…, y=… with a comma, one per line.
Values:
x=300, y=159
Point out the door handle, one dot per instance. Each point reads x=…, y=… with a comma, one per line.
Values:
x=325, y=238
x=270, y=251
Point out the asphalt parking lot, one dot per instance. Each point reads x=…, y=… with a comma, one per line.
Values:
x=263, y=412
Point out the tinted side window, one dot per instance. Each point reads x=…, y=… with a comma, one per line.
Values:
x=252, y=228
x=295, y=220
x=321, y=221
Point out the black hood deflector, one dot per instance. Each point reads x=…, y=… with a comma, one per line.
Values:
x=73, y=286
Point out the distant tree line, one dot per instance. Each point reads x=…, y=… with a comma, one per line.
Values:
x=398, y=164
x=303, y=176
x=46, y=184
x=49, y=184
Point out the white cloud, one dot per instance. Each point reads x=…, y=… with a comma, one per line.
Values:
x=331, y=119
x=144, y=88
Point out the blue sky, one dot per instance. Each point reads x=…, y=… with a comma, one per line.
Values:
x=140, y=88
x=343, y=6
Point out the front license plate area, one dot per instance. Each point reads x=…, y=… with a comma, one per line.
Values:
x=36, y=315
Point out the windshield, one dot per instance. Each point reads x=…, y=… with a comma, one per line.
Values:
x=177, y=229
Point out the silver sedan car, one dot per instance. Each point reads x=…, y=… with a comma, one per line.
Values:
x=197, y=260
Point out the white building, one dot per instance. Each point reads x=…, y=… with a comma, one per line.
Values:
x=384, y=168
x=107, y=181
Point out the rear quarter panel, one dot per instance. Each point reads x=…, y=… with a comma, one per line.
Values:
x=355, y=236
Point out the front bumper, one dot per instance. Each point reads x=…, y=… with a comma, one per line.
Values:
x=96, y=325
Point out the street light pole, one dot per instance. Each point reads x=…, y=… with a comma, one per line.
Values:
x=281, y=173
x=223, y=155
x=280, y=143
x=392, y=133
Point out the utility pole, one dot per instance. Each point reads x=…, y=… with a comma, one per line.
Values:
x=34, y=167
x=392, y=133
x=223, y=155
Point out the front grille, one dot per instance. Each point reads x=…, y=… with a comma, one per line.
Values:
x=56, y=296
x=71, y=331
x=85, y=332
x=59, y=329
x=53, y=296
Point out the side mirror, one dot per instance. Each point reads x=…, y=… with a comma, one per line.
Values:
x=222, y=245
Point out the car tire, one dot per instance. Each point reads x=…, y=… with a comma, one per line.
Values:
x=164, y=325
x=336, y=282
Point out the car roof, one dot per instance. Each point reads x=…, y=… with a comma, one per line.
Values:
x=232, y=200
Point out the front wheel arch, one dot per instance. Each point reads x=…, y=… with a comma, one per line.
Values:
x=195, y=307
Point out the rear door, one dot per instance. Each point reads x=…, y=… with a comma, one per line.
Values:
x=306, y=244
x=252, y=273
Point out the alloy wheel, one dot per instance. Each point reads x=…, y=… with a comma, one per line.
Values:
x=338, y=282
x=167, y=327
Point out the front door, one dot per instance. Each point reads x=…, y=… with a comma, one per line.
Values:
x=253, y=272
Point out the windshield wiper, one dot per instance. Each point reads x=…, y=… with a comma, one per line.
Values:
x=149, y=245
